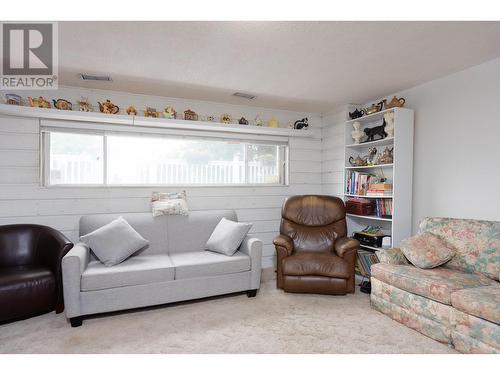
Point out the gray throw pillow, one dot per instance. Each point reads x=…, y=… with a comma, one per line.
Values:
x=114, y=242
x=227, y=236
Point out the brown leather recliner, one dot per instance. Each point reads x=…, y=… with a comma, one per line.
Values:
x=314, y=254
x=30, y=270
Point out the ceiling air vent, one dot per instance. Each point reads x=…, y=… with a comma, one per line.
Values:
x=89, y=77
x=244, y=95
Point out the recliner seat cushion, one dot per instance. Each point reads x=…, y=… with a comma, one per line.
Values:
x=136, y=270
x=437, y=283
x=483, y=302
x=206, y=263
x=25, y=290
x=316, y=264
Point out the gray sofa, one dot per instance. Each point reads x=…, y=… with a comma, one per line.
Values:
x=174, y=267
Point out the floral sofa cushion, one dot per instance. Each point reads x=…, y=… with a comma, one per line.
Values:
x=426, y=250
x=477, y=243
x=437, y=283
x=483, y=302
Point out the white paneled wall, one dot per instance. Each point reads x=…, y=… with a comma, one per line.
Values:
x=332, y=153
x=23, y=200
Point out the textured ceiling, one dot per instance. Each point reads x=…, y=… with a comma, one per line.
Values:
x=304, y=66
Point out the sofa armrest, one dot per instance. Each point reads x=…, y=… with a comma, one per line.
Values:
x=345, y=245
x=392, y=256
x=253, y=247
x=74, y=264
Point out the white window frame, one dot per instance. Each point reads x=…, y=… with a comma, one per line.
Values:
x=46, y=129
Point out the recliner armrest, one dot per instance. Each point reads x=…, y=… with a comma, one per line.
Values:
x=74, y=264
x=344, y=245
x=285, y=242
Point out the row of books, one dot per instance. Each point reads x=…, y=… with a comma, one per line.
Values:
x=379, y=190
x=357, y=182
x=364, y=262
x=383, y=207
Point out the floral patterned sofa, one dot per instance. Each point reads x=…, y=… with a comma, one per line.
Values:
x=457, y=303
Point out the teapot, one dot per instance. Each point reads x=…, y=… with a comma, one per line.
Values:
x=374, y=108
x=395, y=102
x=357, y=162
x=356, y=114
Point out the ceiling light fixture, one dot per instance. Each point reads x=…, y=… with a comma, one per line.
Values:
x=244, y=95
x=89, y=77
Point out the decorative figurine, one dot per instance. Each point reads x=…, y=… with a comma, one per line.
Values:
x=243, y=121
x=258, y=121
x=190, y=115
x=84, y=105
x=386, y=157
x=273, y=123
x=226, y=118
x=108, y=107
x=211, y=118
x=377, y=130
x=374, y=108
x=62, y=104
x=395, y=102
x=170, y=112
x=372, y=155
x=39, y=102
x=358, y=161
x=131, y=110
x=357, y=134
x=13, y=99
x=356, y=114
x=151, y=112
x=301, y=124
x=389, y=123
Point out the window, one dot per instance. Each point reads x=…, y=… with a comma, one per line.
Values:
x=138, y=159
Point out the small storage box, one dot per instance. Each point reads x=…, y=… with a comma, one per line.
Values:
x=359, y=208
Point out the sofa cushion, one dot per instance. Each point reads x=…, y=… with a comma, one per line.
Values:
x=114, y=242
x=426, y=250
x=483, y=302
x=227, y=236
x=316, y=264
x=437, y=283
x=136, y=270
x=191, y=233
x=153, y=229
x=206, y=263
x=477, y=243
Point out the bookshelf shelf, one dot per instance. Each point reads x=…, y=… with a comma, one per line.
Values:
x=367, y=196
x=371, y=247
x=371, y=217
x=399, y=174
x=379, y=142
x=371, y=166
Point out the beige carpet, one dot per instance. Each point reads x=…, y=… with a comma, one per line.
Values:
x=273, y=322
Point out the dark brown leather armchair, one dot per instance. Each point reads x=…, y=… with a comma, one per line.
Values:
x=30, y=270
x=313, y=253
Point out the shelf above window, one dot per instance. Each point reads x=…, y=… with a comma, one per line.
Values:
x=147, y=122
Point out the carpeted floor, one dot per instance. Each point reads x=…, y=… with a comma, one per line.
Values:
x=273, y=322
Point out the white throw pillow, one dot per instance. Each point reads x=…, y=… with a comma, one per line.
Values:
x=114, y=242
x=227, y=236
x=169, y=204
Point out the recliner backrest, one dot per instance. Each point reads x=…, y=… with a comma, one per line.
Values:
x=313, y=222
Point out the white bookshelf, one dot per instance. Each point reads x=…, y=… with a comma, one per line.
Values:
x=399, y=173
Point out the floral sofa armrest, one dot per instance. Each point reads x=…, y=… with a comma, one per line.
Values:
x=392, y=256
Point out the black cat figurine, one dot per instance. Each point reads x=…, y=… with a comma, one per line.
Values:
x=300, y=124
x=377, y=130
